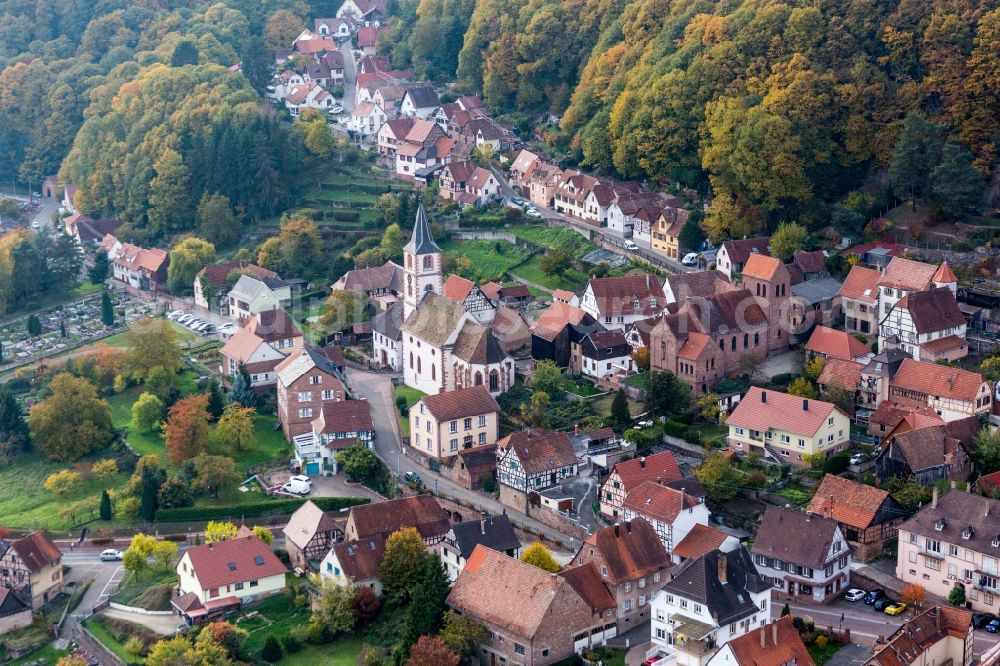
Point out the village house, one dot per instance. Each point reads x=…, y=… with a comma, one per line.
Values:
x=519, y=174
x=471, y=468
x=954, y=541
x=216, y=578
x=32, y=567
x=565, y=296
x=392, y=135
x=632, y=563
x=804, y=556
x=337, y=426
x=876, y=377
x=605, y=354
x=140, y=268
x=939, y=635
x=263, y=341
x=617, y=302
x=250, y=296
x=627, y=476
x=512, y=329
x=671, y=512
x=667, y=231
x=542, y=188
x=309, y=534
x=777, y=643
x=701, y=540
x=363, y=11
x=951, y=392
x=733, y=254
x=710, y=601
x=622, y=211
x=355, y=563
x=681, y=287
x=530, y=461
x=453, y=181
x=558, y=329
x=420, y=101
x=305, y=381
x=318, y=73
x=493, y=532
x=840, y=374
x=212, y=283
x=365, y=121
x=339, y=28
x=928, y=325
x=859, y=299
x=441, y=425
x=380, y=283
x=868, y=516
x=367, y=38
x=571, y=193
x=309, y=95
x=904, y=276
x=514, y=295
x=309, y=44
x=467, y=294
x=532, y=617
x=597, y=204
x=382, y=519
x=387, y=338
x=15, y=613
x=787, y=428
x=930, y=454
x=829, y=343
x=87, y=231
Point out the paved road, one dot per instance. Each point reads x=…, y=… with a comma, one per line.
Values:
x=45, y=214
x=350, y=76
x=377, y=389
x=85, y=565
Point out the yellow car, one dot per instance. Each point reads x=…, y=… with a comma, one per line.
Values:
x=894, y=609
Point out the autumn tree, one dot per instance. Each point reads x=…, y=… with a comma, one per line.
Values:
x=431, y=651
x=187, y=257
x=719, y=477
x=344, y=308
x=213, y=473
x=913, y=595
x=535, y=412
x=186, y=430
x=281, y=28
x=170, y=203
x=297, y=249
x=802, y=387
x=63, y=482
x=152, y=342
x=547, y=377
x=708, y=406
x=216, y=531
x=463, y=635
x=641, y=358
x=557, y=261
x=234, y=430
x=72, y=421
x=990, y=368
x=262, y=533
x=334, y=606
x=393, y=241
x=986, y=451
x=814, y=368
x=786, y=240
x=539, y=556
x=403, y=564
x=366, y=605
x=147, y=412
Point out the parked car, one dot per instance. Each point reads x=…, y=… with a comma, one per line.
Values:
x=854, y=594
x=208, y=328
x=335, y=109
x=645, y=424
x=895, y=608
x=630, y=246
x=874, y=595
x=518, y=200
x=980, y=620
x=175, y=314
x=859, y=458
x=414, y=478
x=297, y=488
x=111, y=555
x=993, y=627
x=194, y=323
x=228, y=329
x=882, y=604
x=690, y=259
x=34, y=224
x=532, y=212
x=184, y=318
x=302, y=478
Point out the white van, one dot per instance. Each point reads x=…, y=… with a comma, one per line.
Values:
x=296, y=487
x=630, y=246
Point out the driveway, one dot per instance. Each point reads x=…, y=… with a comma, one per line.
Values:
x=350, y=76
x=85, y=565
x=165, y=625
x=378, y=390
x=337, y=486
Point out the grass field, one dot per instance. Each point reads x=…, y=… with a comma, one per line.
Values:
x=97, y=628
x=531, y=271
x=47, y=652
x=552, y=237
x=411, y=395
x=490, y=259
x=344, y=651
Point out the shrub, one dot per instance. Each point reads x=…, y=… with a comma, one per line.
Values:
x=691, y=437
x=674, y=429
x=346, y=215
x=299, y=633
x=821, y=641
x=283, y=556
x=798, y=623
x=317, y=634
x=134, y=645
x=292, y=644
x=783, y=379
x=837, y=464
x=271, y=507
x=272, y=650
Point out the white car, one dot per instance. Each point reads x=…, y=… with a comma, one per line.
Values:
x=228, y=329
x=690, y=259
x=193, y=324
x=34, y=224
x=630, y=246
x=336, y=108
x=302, y=478
x=532, y=212
x=297, y=488
x=859, y=458
x=184, y=318
x=175, y=314
x=111, y=555
x=854, y=594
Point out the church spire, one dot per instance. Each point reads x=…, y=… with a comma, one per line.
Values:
x=422, y=242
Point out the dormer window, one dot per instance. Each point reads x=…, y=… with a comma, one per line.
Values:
x=968, y=532
x=940, y=524
x=996, y=541
x=635, y=304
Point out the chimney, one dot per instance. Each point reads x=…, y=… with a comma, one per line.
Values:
x=774, y=632
x=805, y=405
x=642, y=462
x=722, y=568
x=934, y=498
x=763, y=396
x=763, y=638
x=482, y=523
x=617, y=529
x=576, y=428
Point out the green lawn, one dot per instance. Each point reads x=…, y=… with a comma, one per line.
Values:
x=344, y=651
x=637, y=381
x=579, y=386
x=711, y=431
x=490, y=259
x=133, y=587
x=47, y=652
x=96, y=627
x=531, y=270
x=821, y=655
x=411, y=395
x=553, y=237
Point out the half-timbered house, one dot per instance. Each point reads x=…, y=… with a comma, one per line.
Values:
x=868, y=516
x=627, y=476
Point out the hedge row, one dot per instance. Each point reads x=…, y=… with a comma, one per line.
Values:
x=345, y=215
x=272, y=507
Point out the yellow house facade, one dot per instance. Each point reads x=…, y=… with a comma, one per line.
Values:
x=787, y=427
x=441, y=425
x=667, y=231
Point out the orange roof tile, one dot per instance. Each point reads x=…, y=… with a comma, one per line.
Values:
x=632, y=550
x=658, y=502
x=659, y=466
x=907, y=274
x=861, y=284
x=944, y=274
x=700, y=540
x=836, y=344
x=840, y=373
x=763, y=410
x=456, y=288
x=761, y=267
x=847, y=502
x=694, y=345
x=774, y=645
x=939, y=380
x=555, y=318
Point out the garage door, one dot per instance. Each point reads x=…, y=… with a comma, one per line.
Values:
x=312, y=468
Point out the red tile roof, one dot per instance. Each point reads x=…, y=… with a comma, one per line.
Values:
x=216, y=274
x=761, y=266
x=618, y=295
x=360, y=560
x=587, y=582
x=271, y=325
x=456, y=288
x=236, y=561
x=775, y=645
x=420, y=511
x=938, y=380
x=907, y=274
x=741, y=250
x=555, y=318
x=700, y=540
x=780, y=411
x=847, y=502
x=911, y=643
x=539, y=451
x=37, y=551
x=836, y=344
x=459, y=403
x=632, y=550
x=342, y=416
x=944, y=274
x=659, y=466
x=657, y=502
x=861, y=284
x=841, y=374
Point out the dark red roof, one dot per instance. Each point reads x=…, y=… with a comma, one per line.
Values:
x=236, y=561
x=421, y=511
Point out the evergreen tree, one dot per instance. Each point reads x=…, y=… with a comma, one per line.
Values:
x=105, y=505
x=915, y=154
x=242, y=392
x=149, y=488
x=272, y=650
x=34, y=326
x=691, y=233
x=954, y=184
x=426, y=612
x=107, y=310
x=14, y=436
x=64, y=262
x=62, y=328
x=619, y=409
x=216, y=401
x=100, y=269
x=185, y=53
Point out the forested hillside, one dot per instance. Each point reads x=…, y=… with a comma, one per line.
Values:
x=783, y=107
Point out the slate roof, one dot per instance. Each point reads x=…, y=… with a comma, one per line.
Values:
x=423, y=97
x=494, y=532
x=959, y=511
x=848, y=502
x=237, y=561
x=794, y=536
x=539, y=451
x=588, y=584
x=460, y=403
x=911, y=641
x=342, y=416
x=816, y=290
x=698, y=580
x=699, y=541
x=360, y=559
x=631, y=550
x=660, y=467
x=37, y=551
x=658, y=502
x=778, y=644
x=420, y=511
x=933, y=310
x=907, y=274
x=477, y=345
x=861, y=284
x=421, y=242
x=939, y=380
x=435, y=320
x=768, y=409
x=11, y=604
x=296, y=365
x=389, y=321
x=307, y=521
x=836, y=344
x=740, y=250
